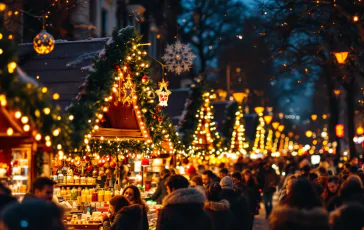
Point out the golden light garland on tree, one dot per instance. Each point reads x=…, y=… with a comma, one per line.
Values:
x=260, y=131
x=238, y=143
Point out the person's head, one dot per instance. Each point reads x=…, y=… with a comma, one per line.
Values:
x=172, y=171
x=353, y=169
x=303, y=194
x=132, y=193
x=32, y=215
x=227, y=183
x=333, y=184
x=164, y=172
x=288, y=218
x=236, y=177
x=223, y=172
x=196, y=180
x=247, y=174
x=176, y=182
x=207, y=177
x=42, y=188
x=356, y=179
x=312, y=177
x=347, y=217
x=267, y=165
x=117, y=203
x=213, y=192
x=350, y=187
x=289, y=185
x=305, y=170
x=354, y=161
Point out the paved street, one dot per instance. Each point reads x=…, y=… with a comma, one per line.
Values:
x=260, y=223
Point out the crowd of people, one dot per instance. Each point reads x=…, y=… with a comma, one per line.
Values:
x=307, y=198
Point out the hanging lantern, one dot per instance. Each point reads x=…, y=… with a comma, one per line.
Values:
x=341, y=57
x=259, y=110
x=145, y=80
x=239, y=96
x=268, y=119
x=43, y=43
x=339, y=130
x=275, y=125
x=281, y=128
x=163, y=93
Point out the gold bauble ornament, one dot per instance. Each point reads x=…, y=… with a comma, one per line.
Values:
x=43, y=43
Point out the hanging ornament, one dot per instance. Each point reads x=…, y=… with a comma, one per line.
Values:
x=128, y=90
x=163, y=93
x=178, y=57
x=43, y=43
x=160, y=119
x=86, y=158
x=145, y=80
x=89, y=168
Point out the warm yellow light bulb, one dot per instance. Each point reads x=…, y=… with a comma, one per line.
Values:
x=71, y=117
x=24, y=120
x=59, y=146
x=47, y=138
x=48, y=143
x=38, y=137
x=17, y=114
x=9, y=131
x=46, y=111
x=56, y=96
x=11, y=67
x=26, y=128
x=44, y=89
x=56, y=132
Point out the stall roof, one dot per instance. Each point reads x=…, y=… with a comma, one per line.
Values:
x=60, y=71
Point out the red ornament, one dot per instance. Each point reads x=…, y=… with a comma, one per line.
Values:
x=117, y=67
x=160, y=119
x=77, y=163
x=159, y=108
x=155, y=117
x=101, y=163
x=107, y=158
x=86, y=158
x=112, y=164
x=89, y=168
x=145, y=79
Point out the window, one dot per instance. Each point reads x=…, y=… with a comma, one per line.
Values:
x=104, y=23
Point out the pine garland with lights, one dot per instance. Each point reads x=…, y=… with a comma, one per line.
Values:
x=111, y=147
x=30, y=102
x=122, y=51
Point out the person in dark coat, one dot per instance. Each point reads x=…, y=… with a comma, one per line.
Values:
x=132, y=193
x=42, y=189
x=161, y=191
x=239, y=204
x=124, y=216
x=268, y=181
x=183, y=207
x=218, y=209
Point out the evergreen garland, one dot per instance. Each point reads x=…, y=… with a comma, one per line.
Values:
x=31, y=99
x=98, y=86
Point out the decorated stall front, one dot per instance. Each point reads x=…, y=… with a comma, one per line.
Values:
x=30, y=127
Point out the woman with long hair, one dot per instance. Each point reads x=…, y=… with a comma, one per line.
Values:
x=331, y=190
x=251, y=191
x=303, y=195
x=132, y=193
x=123, y=215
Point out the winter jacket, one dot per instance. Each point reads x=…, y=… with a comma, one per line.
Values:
x=127, y=218
x=161, y=191
x=183, y=209
x=221, y=215
x=268, y=180
x=239, y=205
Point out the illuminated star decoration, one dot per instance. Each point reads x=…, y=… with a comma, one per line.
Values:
x=178, y=57
x=128, y=90
x=163, y=93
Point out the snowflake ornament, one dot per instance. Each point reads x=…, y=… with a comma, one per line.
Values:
x=178, y=57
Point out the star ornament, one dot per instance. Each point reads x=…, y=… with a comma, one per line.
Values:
x=128, y=91
x=163, y=93
x=178, y=57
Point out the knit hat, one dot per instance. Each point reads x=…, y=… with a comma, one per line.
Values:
x=191, y=170
x=226, y=183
